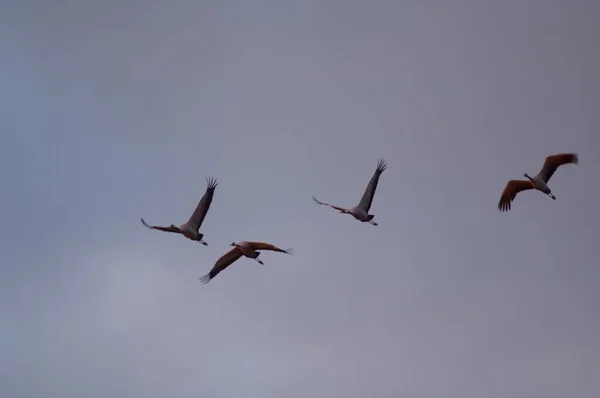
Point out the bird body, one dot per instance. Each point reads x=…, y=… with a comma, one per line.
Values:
x=247, y=250
x=361, y=211
x=360, y=214
x=538, y=182
x=190, y=229
x=244, y=248
x=189, y=232
x=540, y=185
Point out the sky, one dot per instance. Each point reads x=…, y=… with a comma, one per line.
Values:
x=116, y=110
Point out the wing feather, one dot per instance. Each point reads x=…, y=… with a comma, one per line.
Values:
x=268, y=246
x=367, y=198
x=342, y=209
x=170, y=228
x=553, y=162
x=513, y=187
x=202, y=208
x=223, y=262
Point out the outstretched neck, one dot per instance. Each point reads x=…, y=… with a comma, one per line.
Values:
x=528, y=177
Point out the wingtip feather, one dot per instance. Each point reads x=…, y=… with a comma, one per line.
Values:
x=504, y=204
x=211, y=183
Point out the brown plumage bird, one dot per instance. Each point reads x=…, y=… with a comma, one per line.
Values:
x=191, y=228
x=248, y=249
x=539, y=182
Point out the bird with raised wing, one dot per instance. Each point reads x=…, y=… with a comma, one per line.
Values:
x=191, y=228
x=538, y=182
x=361, y=211
x=248, y=249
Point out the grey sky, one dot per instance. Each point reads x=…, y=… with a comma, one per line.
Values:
x=114, y=110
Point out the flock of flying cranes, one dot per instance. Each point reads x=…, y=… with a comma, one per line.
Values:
x=191, y=229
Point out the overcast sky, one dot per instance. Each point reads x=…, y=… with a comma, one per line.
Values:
x=115, y=110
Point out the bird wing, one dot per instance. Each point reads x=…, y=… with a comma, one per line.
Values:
x=367, y=198
x=223, y=262
x=165, y=229
x=197, y=217
x=513, y=187
x=327, y=204
x=268, y=246
x=553, y=162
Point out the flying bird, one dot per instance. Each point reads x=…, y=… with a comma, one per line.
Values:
x=361, y=211
x=248, y=249
x=538, y=182
x=191, y=228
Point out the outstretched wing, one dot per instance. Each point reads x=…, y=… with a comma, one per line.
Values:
x=197, y=217
x=223, y=262
x=170, y=228
x=327, y=204
x=367, y=198
x=268, y=246
x=513, y=187
x=553, y=162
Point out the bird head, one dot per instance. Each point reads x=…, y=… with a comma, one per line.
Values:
x=233, y=244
